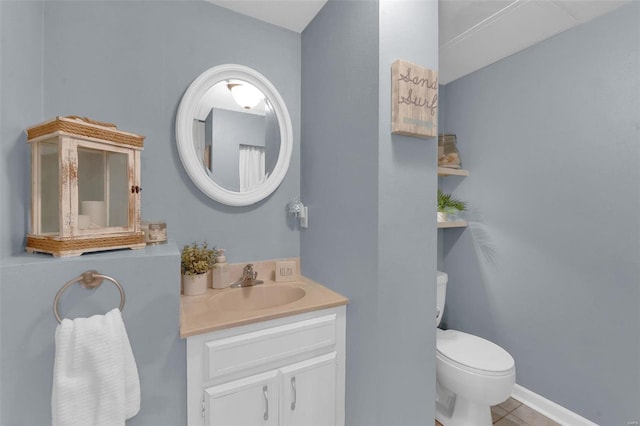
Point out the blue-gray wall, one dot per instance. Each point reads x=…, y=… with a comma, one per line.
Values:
x=372, y=230
x=442, y=96
x=151, y=280
x=339, y=175
x=407, y=236
x=128, y=63
x=549, y=266
x=21, y=33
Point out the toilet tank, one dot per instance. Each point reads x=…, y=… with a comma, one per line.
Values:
x=441, y=295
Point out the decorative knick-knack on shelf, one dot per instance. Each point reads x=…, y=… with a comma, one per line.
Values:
x=220, y=272
x=196, y=264
x=448, y=206
x=448, y=155
x=85, y=187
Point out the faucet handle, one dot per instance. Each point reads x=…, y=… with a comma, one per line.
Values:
x=247, y=272
x=248, y=277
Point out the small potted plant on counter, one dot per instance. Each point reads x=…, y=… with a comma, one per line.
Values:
x=196, y=262
x=447, y=205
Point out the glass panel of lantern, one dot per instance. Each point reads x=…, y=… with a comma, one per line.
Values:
x=103, y=195
x=49, y=188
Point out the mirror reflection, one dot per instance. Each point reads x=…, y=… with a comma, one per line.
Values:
x=236, y=135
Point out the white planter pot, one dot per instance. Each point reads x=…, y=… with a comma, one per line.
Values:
x=195, y=284
x=442, y=216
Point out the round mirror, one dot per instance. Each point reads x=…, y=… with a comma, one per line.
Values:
x=234, y=135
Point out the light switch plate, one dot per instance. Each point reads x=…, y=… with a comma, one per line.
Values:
x=286, y=270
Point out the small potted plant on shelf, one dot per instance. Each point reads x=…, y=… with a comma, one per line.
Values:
x=196, y=262
x=447, y=205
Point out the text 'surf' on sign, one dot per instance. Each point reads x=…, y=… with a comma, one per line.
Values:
x=414, y=100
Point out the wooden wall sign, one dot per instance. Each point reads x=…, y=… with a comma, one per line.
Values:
x=414, y=100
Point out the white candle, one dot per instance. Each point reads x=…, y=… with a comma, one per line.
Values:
x=97, y=212
x=83, y=221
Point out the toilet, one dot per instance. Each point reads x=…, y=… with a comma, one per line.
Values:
x=472, y=373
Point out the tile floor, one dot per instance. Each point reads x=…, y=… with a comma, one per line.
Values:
x=514, y=413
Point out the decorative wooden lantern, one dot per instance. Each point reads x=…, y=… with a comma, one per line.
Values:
x=85, y=187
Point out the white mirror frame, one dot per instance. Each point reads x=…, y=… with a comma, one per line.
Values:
x=187, y=150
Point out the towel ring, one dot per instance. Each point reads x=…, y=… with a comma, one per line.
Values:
x=90, y=280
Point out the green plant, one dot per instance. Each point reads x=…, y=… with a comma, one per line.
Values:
x=448, y=204
x=197, y=259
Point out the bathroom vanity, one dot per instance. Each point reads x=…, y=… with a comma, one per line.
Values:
x=272, y=354
x=267, y=354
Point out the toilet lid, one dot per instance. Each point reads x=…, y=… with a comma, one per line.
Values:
x=473, y=351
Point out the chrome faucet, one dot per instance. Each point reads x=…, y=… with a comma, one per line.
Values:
x=249, y=278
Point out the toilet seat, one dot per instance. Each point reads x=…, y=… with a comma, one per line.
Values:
x=473, y=353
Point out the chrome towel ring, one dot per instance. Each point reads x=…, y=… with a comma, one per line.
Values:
x=90, y=280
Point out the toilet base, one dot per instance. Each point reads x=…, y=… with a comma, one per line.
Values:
x=465, y=413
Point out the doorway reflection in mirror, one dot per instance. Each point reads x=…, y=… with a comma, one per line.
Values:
x=238, y=146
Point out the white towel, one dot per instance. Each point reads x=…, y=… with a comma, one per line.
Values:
x=95, y=377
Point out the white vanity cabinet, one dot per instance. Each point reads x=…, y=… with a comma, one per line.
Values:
x=282, y=372
x=248, y=401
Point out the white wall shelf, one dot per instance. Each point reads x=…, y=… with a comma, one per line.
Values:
x=453, y=224
x=445, y=171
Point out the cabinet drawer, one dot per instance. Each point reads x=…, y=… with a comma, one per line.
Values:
x=248, y=350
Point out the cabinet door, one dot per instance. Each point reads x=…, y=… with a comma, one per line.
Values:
x=309, y=392
x=107, y=174
x=252, y=401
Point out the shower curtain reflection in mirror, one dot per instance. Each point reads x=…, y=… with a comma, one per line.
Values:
x=251, y=167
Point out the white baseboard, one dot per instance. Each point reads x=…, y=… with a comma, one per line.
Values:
x=549, y=408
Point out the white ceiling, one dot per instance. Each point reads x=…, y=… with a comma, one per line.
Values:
x=476, y=33
x=293, y=15
x=473, y=33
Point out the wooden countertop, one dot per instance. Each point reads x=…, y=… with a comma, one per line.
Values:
x=206, y=312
